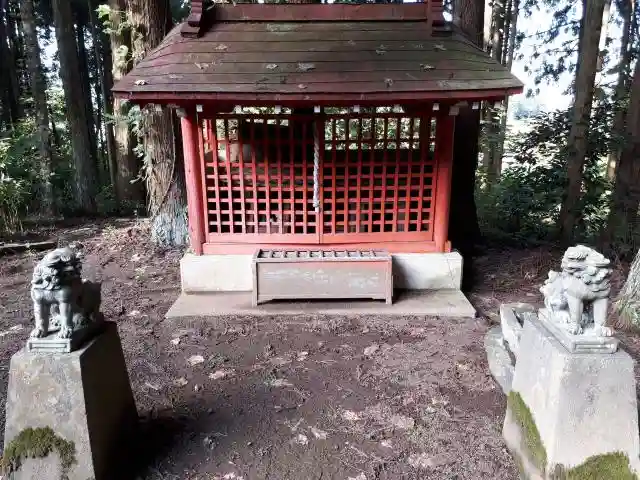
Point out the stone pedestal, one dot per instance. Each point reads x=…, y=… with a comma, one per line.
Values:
x=570, y=413
x=84, y=397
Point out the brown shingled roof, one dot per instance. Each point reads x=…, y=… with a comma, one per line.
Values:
x=240, y=59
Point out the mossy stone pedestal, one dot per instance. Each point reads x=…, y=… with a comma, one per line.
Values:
x=571, y=415
x=70, y=416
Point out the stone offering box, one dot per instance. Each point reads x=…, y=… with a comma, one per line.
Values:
x=322, y=274
x=74, y=412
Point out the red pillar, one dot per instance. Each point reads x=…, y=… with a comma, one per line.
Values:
x=193, y=177
x=444, y=165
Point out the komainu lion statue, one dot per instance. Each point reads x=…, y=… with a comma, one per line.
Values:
x=62, y=300
x=577, y=298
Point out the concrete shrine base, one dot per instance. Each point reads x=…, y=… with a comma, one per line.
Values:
x=77, y=407
x=233, y=273
x=571, y=415
x=427, y=284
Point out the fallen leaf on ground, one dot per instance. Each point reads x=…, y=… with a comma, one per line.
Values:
x=350, y=415
x=301, y=439
x=279, y=382
x=386, y=444
x=195, y=360
x=422, y=461
x=180, y=382
x=153, y=386
x=319, y=434
x=15, y=328
x=372, y=349
x=218, y=374
x=133, y=313
x=302, y=356
x=361, y=476
x=175, y=341
x=402, y=422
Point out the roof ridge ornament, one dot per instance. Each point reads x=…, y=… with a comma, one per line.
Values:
x=193, y=27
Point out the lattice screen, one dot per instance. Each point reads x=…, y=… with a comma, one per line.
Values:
x=375, y=177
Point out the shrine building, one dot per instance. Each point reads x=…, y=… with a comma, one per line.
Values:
x=314, y=133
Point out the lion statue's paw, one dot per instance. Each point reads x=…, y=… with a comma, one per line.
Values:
x=38, y=332
x=574, y=329
x=65, y=332
x=603, y=331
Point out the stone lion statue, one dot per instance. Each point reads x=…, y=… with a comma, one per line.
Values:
x=62, y=300
x=577, y=297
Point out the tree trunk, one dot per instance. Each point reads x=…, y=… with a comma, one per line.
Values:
x=79, y=125
x=129, y=191
x=17, y=75
x=622, y=227
x=9, y=96
x=83, y=61
x=590, y=29
x=105, y=81
x=627, y=12
x=151, y=20
x=38, y=90
x=628, y=301
x=504, y=113
x=464, y=232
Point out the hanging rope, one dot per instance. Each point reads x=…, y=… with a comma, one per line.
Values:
x=316, y=167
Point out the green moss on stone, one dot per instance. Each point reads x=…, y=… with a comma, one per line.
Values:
x=37, y=443
x=529, y=431
x=610, y=466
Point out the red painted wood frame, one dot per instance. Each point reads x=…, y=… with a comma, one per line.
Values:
x=191, y=140
x=372, y=192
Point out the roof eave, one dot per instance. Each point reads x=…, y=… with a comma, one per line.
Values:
x=264, y=98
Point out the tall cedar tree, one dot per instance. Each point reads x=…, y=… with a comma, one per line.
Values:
x=151, y=21
x=464, y=231
x=84, y=161
x=102, y=52
x=129, y=192
x=623, y=219
x=38, y=90
x=629, y=25
x=588, y=53
x=9, y=91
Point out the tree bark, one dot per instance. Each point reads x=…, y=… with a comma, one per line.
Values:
x=627, y=11
x=129, y=191
x=464, y=232
x=9, y=94
x=104, y=64
x=164, y=168
x=79, y=125
x=83, y=61
x=628, y=302
x=38, y=90
x=622, y=226
x=588, y=51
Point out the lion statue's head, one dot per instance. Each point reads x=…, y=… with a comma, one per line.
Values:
x=57, y=269
x=587, y=265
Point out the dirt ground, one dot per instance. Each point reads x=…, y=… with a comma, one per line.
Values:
x=292, y=398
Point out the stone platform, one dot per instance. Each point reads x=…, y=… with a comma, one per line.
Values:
x=444, y=303
x=82, y=400
x=568, y=412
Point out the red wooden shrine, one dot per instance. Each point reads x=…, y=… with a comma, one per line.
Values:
x=322, y=125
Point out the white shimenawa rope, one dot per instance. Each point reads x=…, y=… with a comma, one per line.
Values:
x=316, y=168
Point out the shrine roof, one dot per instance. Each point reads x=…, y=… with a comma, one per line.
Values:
x=267, y=53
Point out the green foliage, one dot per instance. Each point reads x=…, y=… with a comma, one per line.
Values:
x=38, y=443
x=610, y=466
x=528, y=429
x=524, y=206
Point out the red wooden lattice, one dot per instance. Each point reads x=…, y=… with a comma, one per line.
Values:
x=375, y=177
